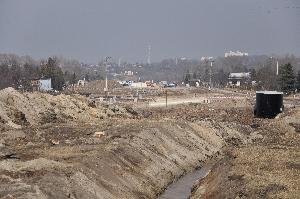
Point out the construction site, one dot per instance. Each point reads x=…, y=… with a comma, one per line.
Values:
x=73, y=146
x=134, y=99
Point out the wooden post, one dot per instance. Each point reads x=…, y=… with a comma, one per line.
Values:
x=166, y=98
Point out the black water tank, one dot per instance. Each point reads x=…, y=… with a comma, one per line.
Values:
x=268, y=104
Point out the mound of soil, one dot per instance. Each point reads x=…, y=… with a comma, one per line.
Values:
x=19, y=109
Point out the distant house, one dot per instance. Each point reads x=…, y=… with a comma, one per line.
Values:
x=129, y=73
x=138, y=85
x=45, y=85
x=82, y=82
x=41, y=84
x=239, y=79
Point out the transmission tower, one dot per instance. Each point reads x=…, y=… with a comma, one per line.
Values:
x=149, y=55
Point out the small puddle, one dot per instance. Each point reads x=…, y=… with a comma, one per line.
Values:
x=181, y=189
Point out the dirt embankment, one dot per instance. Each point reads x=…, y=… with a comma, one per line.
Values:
x=134, y=159
x=32, y=109
x=269, y=168
x=86, y=156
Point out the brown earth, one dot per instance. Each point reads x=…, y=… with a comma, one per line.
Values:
x=62, y=147
x=269, y=168
x=32, y=109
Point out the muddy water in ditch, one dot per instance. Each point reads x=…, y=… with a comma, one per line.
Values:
x=181, y=189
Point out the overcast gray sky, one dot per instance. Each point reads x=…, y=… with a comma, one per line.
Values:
x=90, y=29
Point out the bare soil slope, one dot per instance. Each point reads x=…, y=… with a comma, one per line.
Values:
x=64, y=147
x=76, y=153
x=267, y=169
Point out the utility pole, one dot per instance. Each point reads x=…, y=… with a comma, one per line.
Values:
x=210, y=74
x=277, y=73
x=119, y=64
x=277, y=64
x=277, y=68
x=106, y=84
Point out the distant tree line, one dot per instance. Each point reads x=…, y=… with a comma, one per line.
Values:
x=17, y=72
x=262, y=68
x=14, y=75
x=19, y=76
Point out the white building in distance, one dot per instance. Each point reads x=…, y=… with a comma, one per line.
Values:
x=45, y=85
x=238, y=79
x=206, y=58
x=237, y=54
x=129, y=73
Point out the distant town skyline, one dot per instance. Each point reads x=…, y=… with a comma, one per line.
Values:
x=90, y=30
